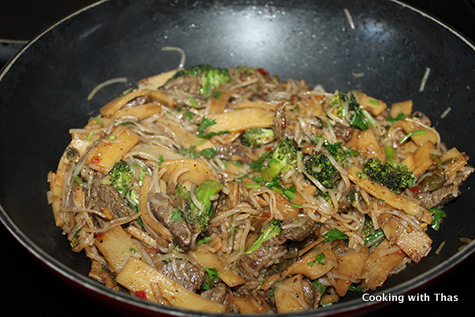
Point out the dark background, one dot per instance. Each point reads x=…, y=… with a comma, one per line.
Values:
x=27, y=288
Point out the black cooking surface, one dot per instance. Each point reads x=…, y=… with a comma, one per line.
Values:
x=27, y=288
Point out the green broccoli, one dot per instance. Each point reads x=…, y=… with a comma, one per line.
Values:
x=337, y=103
x=283, y=159
x=325, y=196
x=203, y=193
x=358, y=119
x=391, y=174
x=255, y=137
x=211, y=77
x=338, y=152
x=121, y=176
x=272, y=230
x=320, y=167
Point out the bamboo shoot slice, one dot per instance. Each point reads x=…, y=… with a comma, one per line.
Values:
x=106, y=153
x=404, y=107
x=375, y=106
x=116, y=246
x=210, y=260
x=308, y=266
x=241, y=119
x=138, y=276
x=156, y=81
x=116, y=104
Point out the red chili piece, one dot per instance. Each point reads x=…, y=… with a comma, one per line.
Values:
x=141, y=294
x=263, y=71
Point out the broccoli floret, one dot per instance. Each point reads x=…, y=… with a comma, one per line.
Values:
x=284, y=158
x=337, y=103
x=320, y=167
x=272, y=230
x=337, y=151
x=203, y=194
x=72, y=154
x=357, y=118
x=325, y=196
x=255, y=137
x=391, y=174
x=211, y=77
x=121, y=176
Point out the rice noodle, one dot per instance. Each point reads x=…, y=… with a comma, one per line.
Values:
x=104, y=84
x=349, y=18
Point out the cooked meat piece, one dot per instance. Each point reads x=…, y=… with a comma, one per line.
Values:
x=216, y=294
x=344, y=204
x=220, y=293
x=280, y=122
x=251, y=264
x=297, y=228
x=438, y=197
x=228, y=151
x=184, y=272
x=182, y=232
x=190, y=85
x=107, y=197
x=343, y=132
x=309, y=292
x=443, y=195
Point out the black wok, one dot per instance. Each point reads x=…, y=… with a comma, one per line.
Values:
x=43, y=93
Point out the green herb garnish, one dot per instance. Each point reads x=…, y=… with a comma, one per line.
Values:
x=335, y=234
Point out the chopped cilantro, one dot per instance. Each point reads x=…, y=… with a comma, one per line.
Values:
x=320, y=259
x=176, y=215
x=160, y=161
x=354, y=288
x=193, y=102
x=205, y=123
x=213, y=274
x=320, y=288
x=335, y=234
x=257, y=165
x=400, y=116
x=437, y=215
x=126, y=123
x=189, y=115
x=209, y=152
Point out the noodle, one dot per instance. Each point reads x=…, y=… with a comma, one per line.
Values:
x=223, y=217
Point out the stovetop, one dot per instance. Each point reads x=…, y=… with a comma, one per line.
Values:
x=30, y=289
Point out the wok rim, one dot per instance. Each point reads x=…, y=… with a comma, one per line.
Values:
x=90, y=286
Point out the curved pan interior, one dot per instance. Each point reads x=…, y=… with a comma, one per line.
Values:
x=45, y=88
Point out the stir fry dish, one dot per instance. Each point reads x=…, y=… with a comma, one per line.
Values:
x=232, y=191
